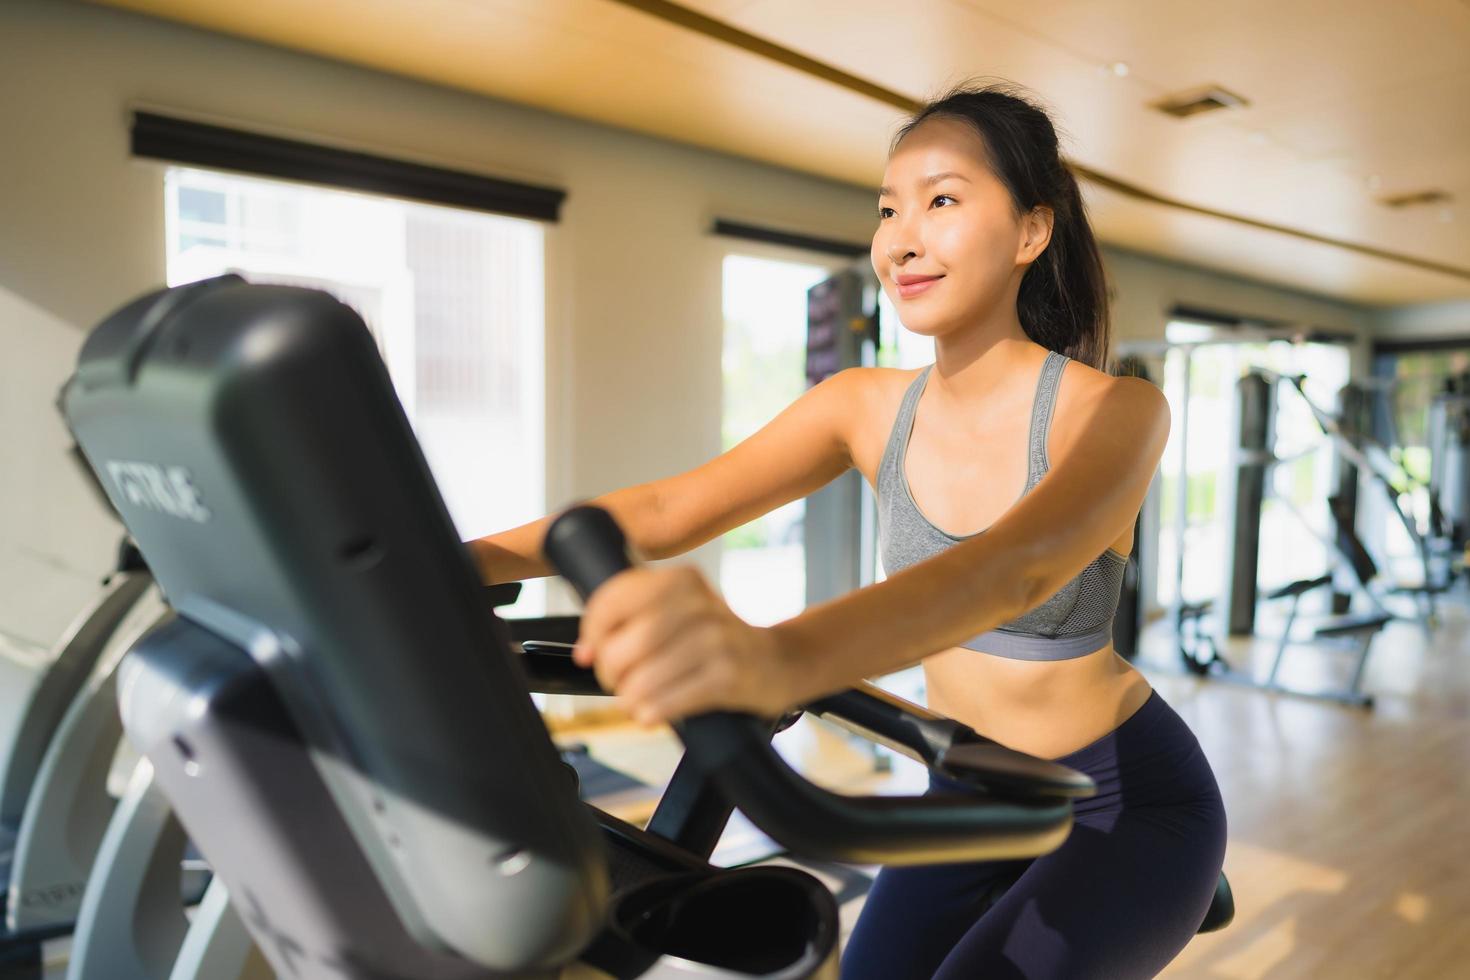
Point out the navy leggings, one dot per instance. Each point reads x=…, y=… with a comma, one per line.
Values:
x=1119, y=899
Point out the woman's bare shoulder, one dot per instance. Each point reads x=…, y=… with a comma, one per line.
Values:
x=874, y=388
x=892, y=382
x=1090, y=384
x=872, y=396
x=1089, y=397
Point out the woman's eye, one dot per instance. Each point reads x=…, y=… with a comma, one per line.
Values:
x=943, y=197
x=884, y=213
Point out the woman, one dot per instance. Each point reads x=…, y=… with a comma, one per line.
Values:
x=1008, y=476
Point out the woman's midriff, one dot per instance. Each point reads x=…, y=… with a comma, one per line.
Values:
x=1046, y=708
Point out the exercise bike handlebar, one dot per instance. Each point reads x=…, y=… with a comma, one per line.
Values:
x=586, y=547
x=949, y=747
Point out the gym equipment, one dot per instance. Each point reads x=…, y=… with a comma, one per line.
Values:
x=1198, y=649
x=55, y=778
x=54, y=687
x=132, y=923
x=77, y=860
x=1367, y=456
x=1449, y=443
x=51, y=815
x=57, y=682
x=1375, y=427
x=109, y=872
x=1201, y=655
x=1255, y=409
x=839, y=529
x=586, y=547
x=341, y=725
x=1128, y=622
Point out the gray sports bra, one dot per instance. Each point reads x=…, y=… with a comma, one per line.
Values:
x=1078, y=620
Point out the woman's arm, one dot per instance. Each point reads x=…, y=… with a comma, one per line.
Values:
x=800, y=450
x=1088, y=500
x=514, y=555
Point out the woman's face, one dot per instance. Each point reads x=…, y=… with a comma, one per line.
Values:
x=949, y=246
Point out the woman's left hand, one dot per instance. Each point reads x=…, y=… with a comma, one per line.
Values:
x=667, y=644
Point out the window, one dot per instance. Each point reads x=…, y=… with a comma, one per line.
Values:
x=1407, y=384
x=763, y=563
x=1295, y=523
x=453, y=298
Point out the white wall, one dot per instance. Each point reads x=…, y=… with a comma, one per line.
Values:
x=1425, y=321
x=1146, y=288
x=633, y=276
x=56, y=540
x=633, y=304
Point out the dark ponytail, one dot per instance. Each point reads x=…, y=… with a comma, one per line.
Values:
x=1063, y=301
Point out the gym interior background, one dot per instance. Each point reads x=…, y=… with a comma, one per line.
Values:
x=714, y=160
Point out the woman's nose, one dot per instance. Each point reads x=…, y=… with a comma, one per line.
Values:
x=899, y=252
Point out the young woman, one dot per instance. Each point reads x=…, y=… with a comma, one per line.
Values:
x=1008, y=476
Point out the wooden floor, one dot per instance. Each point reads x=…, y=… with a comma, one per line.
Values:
x=1349, y=829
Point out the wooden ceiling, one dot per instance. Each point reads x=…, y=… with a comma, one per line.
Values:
x=1349, y=102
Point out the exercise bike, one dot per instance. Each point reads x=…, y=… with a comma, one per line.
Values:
x=344, y=726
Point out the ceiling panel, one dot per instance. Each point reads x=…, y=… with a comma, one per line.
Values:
x=1289, y=52
x=1340, y=90
x=588, y=58
x=1324, y=115
x=1279, y=259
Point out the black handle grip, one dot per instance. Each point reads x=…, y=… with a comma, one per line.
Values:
x=586, y=547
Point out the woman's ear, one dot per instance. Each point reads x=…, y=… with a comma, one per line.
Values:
x=1036, y=228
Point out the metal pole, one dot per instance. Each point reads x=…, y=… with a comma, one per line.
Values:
x=1181, y=517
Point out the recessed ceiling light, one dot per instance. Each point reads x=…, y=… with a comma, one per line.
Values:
x=1415, y=199
x=1192, y=103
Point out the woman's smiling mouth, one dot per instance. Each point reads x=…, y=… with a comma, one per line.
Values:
x=911, y=286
